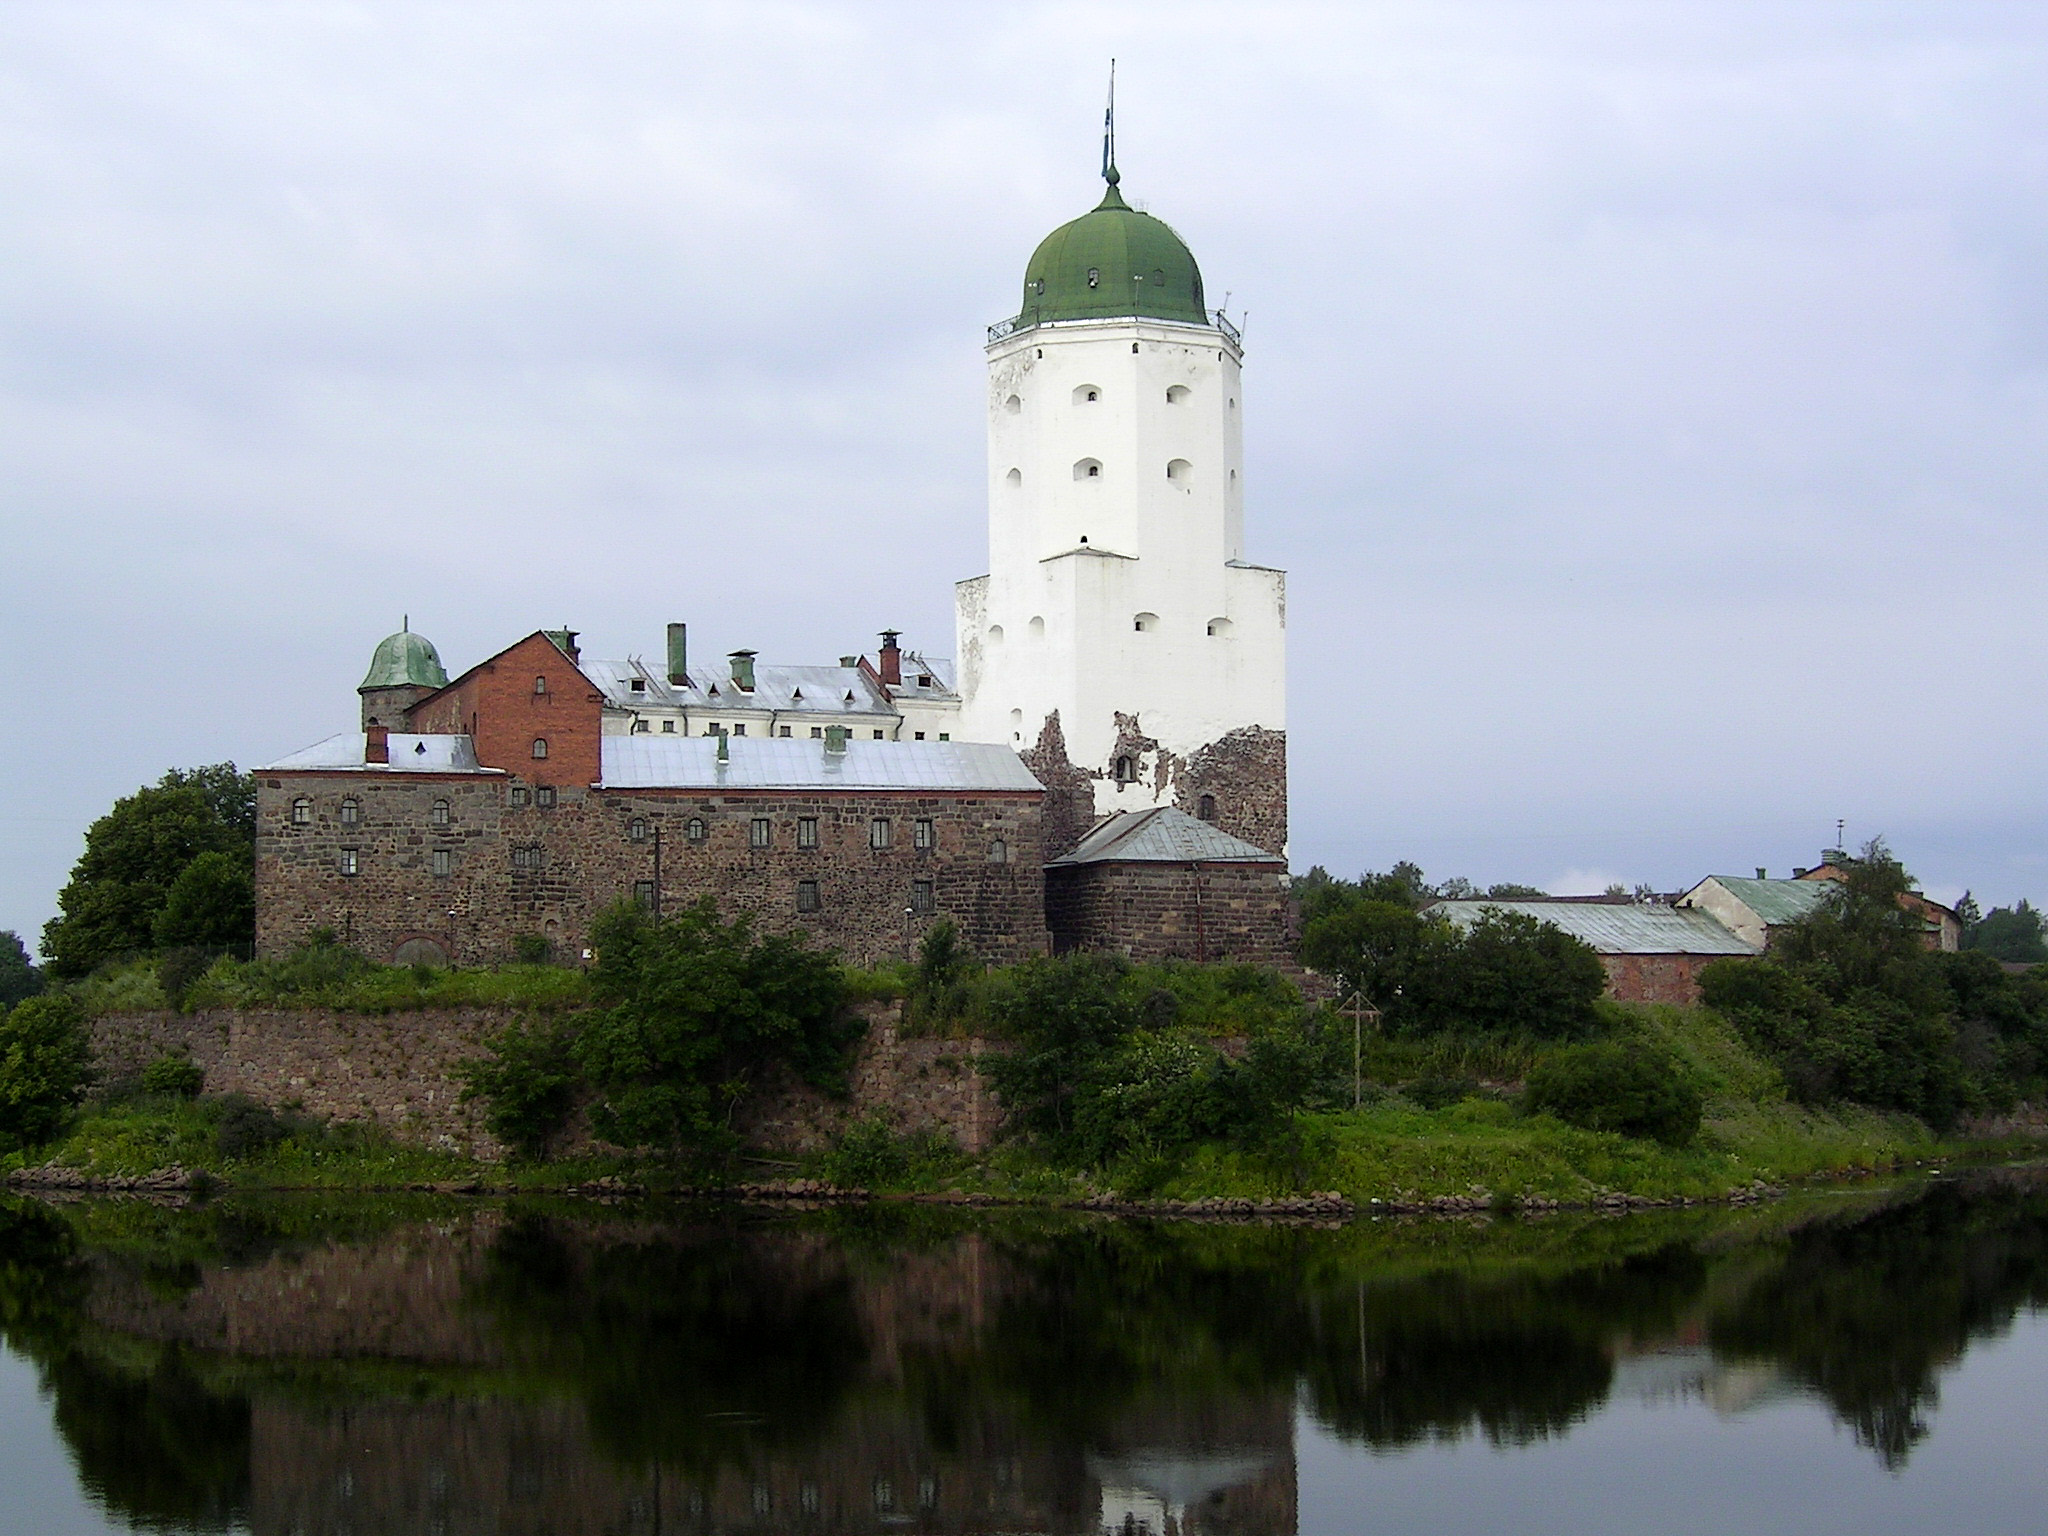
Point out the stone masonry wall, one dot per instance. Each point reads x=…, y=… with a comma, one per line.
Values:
x=1238, y=912
x=397, y=1071
x=1656, y=978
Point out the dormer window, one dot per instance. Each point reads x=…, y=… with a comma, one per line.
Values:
x=924, y=680
x=1094, y=277
x=639, y=685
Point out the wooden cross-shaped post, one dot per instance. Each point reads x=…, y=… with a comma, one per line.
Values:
x=1360, y=1013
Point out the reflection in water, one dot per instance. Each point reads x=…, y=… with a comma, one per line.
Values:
x=344, y=1366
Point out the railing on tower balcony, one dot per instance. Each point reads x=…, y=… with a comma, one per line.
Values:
x=1016, y=323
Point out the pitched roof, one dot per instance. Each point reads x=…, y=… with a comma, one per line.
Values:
x=776, y=762
x=1163, y=835
x=1775, y=902
x=1614, y=928
x=409, y=754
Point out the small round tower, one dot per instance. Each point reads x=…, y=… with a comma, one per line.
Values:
x=404, y=670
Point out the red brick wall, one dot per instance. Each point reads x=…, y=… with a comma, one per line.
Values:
x=1656, y=978
x=496, y=704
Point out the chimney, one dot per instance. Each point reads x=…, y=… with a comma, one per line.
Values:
x=1760, y=873
x=891, y=659
x=835, y=739
x=849, y=662
x=1799, y=874
x=724, y=748
x=743, y=671
x=377, y=744
x=679, y=655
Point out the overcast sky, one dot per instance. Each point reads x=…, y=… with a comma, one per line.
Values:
x=1648, y=400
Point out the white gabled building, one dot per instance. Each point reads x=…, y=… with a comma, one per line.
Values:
x=1120, y=640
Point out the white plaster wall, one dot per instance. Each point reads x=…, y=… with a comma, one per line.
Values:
x=1086, y=556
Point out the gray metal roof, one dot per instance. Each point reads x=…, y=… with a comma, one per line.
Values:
x=1775, y=902
x=784, y=690
x=774, y=762
x=409, y=754
x=1163, y=835
x=1613, y=928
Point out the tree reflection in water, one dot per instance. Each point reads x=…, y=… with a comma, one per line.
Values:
x=307, y=1364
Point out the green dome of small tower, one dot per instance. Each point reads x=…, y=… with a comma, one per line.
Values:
x=405, y=660
x=1112, y=263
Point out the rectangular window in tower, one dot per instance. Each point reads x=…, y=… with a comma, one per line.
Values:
x=444, y=861
x=921, y=897
x=878, y=832
x=926, y=835
x=761, y=834
x=807, y=896
x=807, y=831
x=349, y=861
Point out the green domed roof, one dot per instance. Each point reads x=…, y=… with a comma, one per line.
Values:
x=1112, y=263
x=405, y=660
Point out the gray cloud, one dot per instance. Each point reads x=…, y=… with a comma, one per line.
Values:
x=1648, y=400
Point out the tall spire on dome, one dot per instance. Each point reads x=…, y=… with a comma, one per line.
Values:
x=1111, y=198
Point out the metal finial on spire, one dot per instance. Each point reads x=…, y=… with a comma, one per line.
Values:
x=1109, y=131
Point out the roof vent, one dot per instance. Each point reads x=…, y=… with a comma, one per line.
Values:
x=835, y=739
x=743, y=671
x=1798, y=874
x=1760, y=873
x=849, y=662
x=724, y=747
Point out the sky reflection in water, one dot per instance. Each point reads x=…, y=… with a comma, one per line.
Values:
x=1866, y=1362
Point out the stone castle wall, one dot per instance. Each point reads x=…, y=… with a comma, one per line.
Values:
x=398, y=1071
x=1147, y=911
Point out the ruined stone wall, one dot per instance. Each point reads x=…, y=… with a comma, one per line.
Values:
x=1245, y=773
x=397, y=1071
x=1237, y=912
x=515, y=865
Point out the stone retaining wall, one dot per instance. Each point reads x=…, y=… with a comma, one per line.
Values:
x=397, y=1071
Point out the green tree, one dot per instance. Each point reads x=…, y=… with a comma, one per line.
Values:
x=211, y=905
x=698, y=1014
x=528, y=1080
x=133, y=857
x=45, y=1068
x=2009, y=933
x=19, y=977
x=1372, y=947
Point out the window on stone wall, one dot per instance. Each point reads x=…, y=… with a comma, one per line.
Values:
x=1126, y=770
x=878, y=832
x=1206, y=808
x=444, y=861
x=925, y=836
x=761, y=833
x=696, y=831
x=807, y=831
x=999, y=852
x=807, y=896
x=540, y=746
x=636, y=829
x=438, y=816
x=528, y=857
x=643, y=894
x=922, y=898
x=350, y=863
x=540, y=686
x=520, y=795
x=544, y=797
x=351, y=811
x=302, y=812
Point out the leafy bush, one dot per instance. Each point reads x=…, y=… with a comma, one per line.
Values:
x=245, y=1128
x=697, y=1013
x=1613, y=1085
x=178, y=1077
x=45, y=1068
x=528, y=1079
x=531, y=949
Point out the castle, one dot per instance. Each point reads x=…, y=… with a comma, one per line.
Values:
x=1106, y=769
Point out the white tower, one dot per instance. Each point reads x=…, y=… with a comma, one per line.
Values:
x=1120, y=641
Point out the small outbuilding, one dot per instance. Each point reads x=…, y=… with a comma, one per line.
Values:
x=1653, y=951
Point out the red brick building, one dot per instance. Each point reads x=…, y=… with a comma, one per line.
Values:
x=1653, y=951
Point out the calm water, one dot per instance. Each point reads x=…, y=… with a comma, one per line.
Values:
x=1867, y=1362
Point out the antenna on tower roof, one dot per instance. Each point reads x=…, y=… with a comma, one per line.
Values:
x=1109, y=131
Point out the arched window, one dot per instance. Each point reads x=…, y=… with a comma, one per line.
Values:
x=1178, y=394
x=540, y=686
x=1014, y=479
x=1088, y=469
x=1016, y=725
x=1013, y=405
x=1087, y=394
x=1126, y=769
x=999, y=852
x=1145, y=623
x=636, y=829
x=995, y=634
x=439, y=815
x=1179, y=471
x=302, y=812
x=1037, y=628
x=1206, y=808
x=351, y=811
x=540, y=746
x=1219, y=628
x=695, y=831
